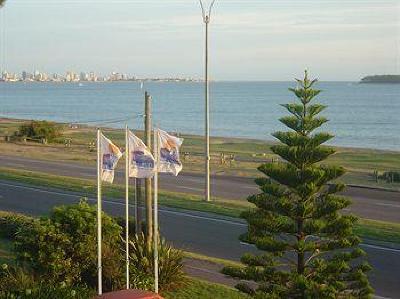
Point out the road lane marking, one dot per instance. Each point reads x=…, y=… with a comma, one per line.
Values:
x=380, y=248
x=41, y=190
x=190, y=188
x=173, y=212
x=388, y=205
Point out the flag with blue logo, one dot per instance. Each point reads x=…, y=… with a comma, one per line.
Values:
x=110, y=155
x=141, y=161
x=168, y=155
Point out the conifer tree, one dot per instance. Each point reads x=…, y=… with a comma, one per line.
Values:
x=309, y=249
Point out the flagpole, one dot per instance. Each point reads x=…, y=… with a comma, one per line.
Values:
x=99, y=237
x=127, y=205
x=137, y=224
x=155, y=210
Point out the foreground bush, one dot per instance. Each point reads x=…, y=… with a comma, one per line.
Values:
x=171, y=275
x=18, y=282
x=63, y=247
x=11, y=223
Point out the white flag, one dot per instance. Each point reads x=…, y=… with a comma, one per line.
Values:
x=110, y=155
x=141, y=161
x=169, y=160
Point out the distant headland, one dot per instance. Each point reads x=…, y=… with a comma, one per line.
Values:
x=381, y=79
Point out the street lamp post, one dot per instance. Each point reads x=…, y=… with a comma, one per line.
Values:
x=206, y=12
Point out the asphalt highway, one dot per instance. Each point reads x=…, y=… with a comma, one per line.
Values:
x=197, y=232
x=367, y=203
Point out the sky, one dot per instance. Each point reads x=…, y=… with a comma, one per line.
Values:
x=337, y=40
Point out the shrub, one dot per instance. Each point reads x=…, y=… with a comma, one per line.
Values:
x=40, y=129
x=63, y=247
x=21, y=283
x=11, y=223
x=122, y=222
x=171, y=274
x=15, y=278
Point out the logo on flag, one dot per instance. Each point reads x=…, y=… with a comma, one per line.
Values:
x=110, y=155
x=169, y=160
x=141, y=161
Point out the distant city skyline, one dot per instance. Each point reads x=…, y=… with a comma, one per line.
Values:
x=82, y=76
x=251, y=40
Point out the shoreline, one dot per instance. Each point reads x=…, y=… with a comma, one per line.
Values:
x=215, y=137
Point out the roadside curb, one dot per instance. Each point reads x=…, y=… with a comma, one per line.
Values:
x=373, y=188
x=253, y=178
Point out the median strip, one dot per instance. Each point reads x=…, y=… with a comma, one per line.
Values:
x=371, y=230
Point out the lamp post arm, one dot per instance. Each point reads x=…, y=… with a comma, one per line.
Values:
x=210, y=10
x=206, y=14
x=203, y=11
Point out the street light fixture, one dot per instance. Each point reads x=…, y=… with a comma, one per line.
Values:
x=206, y=12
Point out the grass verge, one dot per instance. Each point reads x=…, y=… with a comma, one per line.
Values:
x=370, y=230
x=215, y=260
x=197, y=288
x=373, y=230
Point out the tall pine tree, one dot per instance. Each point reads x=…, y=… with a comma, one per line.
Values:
x=309, y=247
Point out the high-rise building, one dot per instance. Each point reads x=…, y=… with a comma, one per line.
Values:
x=4, y=76
x=83, y=76
x=92, y=77
x=37, y=76
x=71, y=77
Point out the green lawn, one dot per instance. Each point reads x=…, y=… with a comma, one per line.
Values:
x=198, y=289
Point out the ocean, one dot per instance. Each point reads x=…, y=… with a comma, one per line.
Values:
x=361, y=115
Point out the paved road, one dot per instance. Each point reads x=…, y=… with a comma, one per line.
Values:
x=367, y=203
x=198, y=232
